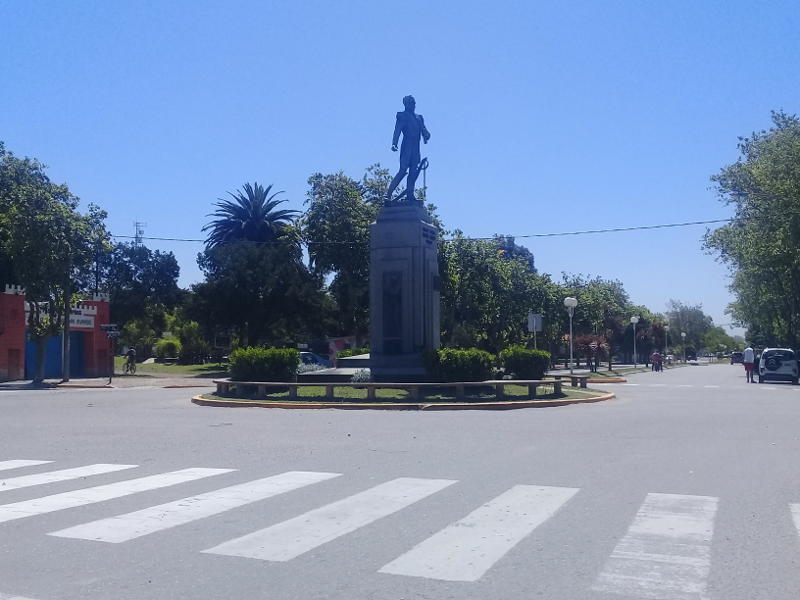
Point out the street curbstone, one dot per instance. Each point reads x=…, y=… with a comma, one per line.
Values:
x=491, y=405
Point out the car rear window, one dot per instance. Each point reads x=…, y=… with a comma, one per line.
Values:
x=781, y=354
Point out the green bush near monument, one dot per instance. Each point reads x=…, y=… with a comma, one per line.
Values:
x=264, y=364
x=451, y=364
x=168, y=348
x=525, y=363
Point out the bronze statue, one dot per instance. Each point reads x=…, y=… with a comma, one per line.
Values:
x=412, y=126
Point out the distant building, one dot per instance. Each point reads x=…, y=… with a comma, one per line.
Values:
x=89, y=345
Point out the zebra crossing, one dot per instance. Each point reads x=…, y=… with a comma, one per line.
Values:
x=665, y=553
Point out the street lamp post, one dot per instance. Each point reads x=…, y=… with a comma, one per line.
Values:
x=666, y=339
x=683, y=339
x=570, y=303
x=634, y=321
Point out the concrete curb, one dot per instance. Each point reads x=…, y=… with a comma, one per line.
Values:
x=608, y=380
x=496, y=405
x=171, y=387
x=80, y=386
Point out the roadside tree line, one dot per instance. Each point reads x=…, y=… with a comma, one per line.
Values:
x=275, y=276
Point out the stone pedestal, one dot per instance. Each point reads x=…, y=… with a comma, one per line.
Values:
x=404, y=292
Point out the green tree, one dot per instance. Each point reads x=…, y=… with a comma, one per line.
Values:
x=46, y=245
x=142, y=283
x=250, y=216
x=336, y=229
x=262, y=292
x=487, y=293
x=690, y=320
x=760, y=245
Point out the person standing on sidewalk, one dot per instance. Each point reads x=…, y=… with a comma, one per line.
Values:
x=749, y=357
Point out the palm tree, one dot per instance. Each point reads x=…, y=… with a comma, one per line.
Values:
x=250, y=216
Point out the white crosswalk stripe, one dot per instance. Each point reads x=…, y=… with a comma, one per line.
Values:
x=666, y=553
x=101, y=493
x=7, y=465
x=795, y=509
x=8, y=597
x=290, y=539
x=16, y=483
x=465, y=550
x=157, y=518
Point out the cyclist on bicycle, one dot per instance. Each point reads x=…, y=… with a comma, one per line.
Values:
x=130, y=362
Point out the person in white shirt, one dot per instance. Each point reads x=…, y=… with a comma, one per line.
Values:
x=749, y=358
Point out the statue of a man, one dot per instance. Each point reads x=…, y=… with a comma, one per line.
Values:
x=412, y=126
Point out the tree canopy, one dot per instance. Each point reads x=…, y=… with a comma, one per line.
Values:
x=761, y=243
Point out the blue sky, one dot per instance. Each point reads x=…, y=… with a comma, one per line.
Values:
x=544, y=117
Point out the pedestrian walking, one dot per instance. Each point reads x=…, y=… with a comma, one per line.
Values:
x=749, y=358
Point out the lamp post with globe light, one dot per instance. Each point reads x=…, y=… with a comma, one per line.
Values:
x=634, y=321
x=666, y=339
x=683, y=338
x=570, y=303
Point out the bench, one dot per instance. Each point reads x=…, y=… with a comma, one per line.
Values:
x=576, y=380
x=224, y=387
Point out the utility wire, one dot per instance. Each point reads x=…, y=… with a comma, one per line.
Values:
x=529, y=235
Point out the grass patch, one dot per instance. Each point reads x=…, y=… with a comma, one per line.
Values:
x=209, y=370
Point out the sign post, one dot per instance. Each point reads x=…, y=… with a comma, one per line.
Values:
x=113, y=333
x=534, y=325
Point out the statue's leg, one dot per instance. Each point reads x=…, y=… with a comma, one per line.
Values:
x=413, y=173
x=395, y=182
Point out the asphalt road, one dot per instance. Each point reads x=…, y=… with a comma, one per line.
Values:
x=682, y=488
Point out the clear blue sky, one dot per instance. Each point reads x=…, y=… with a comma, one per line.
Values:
x=544, y=116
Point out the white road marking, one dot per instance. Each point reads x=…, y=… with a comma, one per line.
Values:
x=287, y=540
x=157, y=518
x=685, y=385
x=100, y=493
x=708, y=387
x=62, y=475
x=666, y=553
x=7, y=597
x=769, y=389
x=656, y=385
x=631, y=384
x=795, y=508
x=7, y=465
x=465, y=550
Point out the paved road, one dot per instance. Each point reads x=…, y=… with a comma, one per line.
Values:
x=685, y=487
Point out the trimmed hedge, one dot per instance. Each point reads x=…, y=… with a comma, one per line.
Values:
x=168, y=348
x=264, y=364
x=525, y=363
x=450, y=364
x=351, y=352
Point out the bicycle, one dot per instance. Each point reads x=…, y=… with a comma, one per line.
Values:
x=130, y=367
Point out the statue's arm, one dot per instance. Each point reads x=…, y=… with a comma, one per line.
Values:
x=426, y=135
x=398, y=127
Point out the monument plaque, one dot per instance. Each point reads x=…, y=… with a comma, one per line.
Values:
x=404, y=269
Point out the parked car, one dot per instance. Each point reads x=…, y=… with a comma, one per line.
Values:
x=778, y=364
x=311, y=358
x=737, y=358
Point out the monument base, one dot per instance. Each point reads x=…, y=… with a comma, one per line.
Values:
x=404, y=292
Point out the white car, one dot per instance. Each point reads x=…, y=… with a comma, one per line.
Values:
x=778, y=364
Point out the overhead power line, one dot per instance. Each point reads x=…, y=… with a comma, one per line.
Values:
x=528, y=235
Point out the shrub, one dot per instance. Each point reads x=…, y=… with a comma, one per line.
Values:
x=309, y=368
x=361, y=376
x=168, y=348
x=450, y=364
x=525, y=363
x=264, y=364
x=351, y=352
